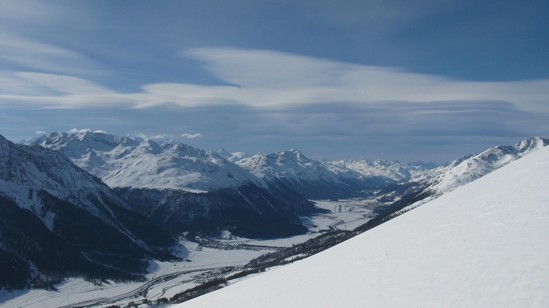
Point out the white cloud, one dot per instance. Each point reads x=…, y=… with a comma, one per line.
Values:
x=274, y=80
x=266, y=69
x=13, y=85
x=55, y=91
x=159, y=137
x=162, y=137
x=40, y=132
x=85, y=130
x=270, y=79
x=191, y=135
x=64, y=84
x=32, y=54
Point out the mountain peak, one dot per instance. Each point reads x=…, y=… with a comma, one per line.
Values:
x=471, y=167
x=532, y=143
x=143, y=163
x=58, y=216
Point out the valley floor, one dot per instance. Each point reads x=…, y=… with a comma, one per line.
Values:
x=204, y=259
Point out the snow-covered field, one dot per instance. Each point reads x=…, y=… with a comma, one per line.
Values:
x=167, y=279
x=485, y=244
x=346, y=214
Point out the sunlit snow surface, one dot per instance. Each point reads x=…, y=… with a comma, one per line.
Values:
x=485, y=244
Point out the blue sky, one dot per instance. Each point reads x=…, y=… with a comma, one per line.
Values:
x=409, y=80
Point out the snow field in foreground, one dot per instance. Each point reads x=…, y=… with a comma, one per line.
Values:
x=486, y=244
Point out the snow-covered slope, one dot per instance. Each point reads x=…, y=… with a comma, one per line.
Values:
x=472, y=167
x=485, y=244
x=55, y=217
x=142, y=163
x=25, y=171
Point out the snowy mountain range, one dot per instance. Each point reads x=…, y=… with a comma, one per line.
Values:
x=391, y=170
x=162, y=179
x=347, y=178
x=326, y=179
x=182, y=187
x=291, y=165
x=143, y=163
x=55, y=217
x=484, y=244
x=309, y=177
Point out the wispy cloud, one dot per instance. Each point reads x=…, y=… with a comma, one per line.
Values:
x=158, y=137
x=269, y=79
x=264, y=68
x=162, y=137
x=64, y=84
x=31, y=54
x=85, y=130
x=55, y=91
x=191, y=135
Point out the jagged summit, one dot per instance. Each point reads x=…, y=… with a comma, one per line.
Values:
x=312, y=178
x=293, y=164
x=25, y=170
x=289, y=164
x=471, y=167
x=143, y=163
x=330, y=179
x=531, y=144
x=80, y=140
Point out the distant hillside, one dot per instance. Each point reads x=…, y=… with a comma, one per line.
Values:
x=472, y=167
